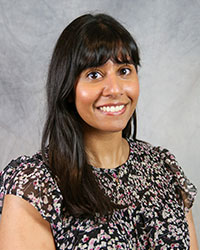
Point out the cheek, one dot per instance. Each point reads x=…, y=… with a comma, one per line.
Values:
x=133, y=90
x=81, y=93
x=81, y=96
x=85, y=96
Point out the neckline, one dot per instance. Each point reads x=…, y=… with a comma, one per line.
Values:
x=130, y=141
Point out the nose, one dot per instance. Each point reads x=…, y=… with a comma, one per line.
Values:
x=113, y=86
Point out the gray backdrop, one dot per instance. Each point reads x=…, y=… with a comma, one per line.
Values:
x=168, y=33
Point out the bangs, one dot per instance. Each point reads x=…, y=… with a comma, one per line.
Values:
x=99, y=45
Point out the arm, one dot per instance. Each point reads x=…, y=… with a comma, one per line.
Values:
x=193, y=238
x=22, y=227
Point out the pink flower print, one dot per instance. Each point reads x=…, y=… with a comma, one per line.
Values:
x=35, y=183
x=114, y=175
x=85, y=239
x=91, y=242
x=103, y=219
x=119, y=246
x=46, y=180
x=49, y=208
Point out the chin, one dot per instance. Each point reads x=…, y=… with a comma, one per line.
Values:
x=112, y=129
x=106, y=127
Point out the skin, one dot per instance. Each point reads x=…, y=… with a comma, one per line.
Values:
x=193, y=236
x=108, y=85
x=21, y=225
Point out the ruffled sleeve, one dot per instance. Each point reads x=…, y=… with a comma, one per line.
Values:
x=30, y=179
x=183, y=185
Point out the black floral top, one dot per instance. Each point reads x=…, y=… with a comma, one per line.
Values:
x=150, y=183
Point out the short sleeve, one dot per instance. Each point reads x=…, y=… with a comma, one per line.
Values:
x=183, y=185
x=30, y=179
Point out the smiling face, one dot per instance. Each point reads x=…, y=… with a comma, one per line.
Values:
x=106, y=96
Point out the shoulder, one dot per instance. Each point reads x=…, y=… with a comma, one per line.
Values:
x=25, y=164
x=26, y=170
x=164, y=164
x=28, y=177
x=146, y=149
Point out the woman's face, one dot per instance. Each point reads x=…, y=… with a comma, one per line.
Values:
x=106, y=96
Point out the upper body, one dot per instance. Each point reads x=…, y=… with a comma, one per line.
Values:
x=150, y=183
x=91, y=188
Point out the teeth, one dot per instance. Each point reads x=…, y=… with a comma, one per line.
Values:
x=112, y=108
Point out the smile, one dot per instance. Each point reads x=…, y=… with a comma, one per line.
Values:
x=112, y=108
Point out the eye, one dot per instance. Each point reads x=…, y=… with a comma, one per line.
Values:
x=94, y=75
x=125, y=71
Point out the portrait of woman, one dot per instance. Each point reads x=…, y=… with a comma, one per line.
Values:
x=94, y=184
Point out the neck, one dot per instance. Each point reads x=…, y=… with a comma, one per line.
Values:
x=106, y=150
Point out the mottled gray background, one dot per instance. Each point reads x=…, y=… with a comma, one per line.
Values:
x=168, y=33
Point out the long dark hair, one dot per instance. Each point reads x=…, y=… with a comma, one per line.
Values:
x=88, y=41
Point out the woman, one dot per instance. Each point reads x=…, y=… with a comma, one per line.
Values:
x=94, y=186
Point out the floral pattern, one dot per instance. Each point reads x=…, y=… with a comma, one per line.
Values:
x=150, y=184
